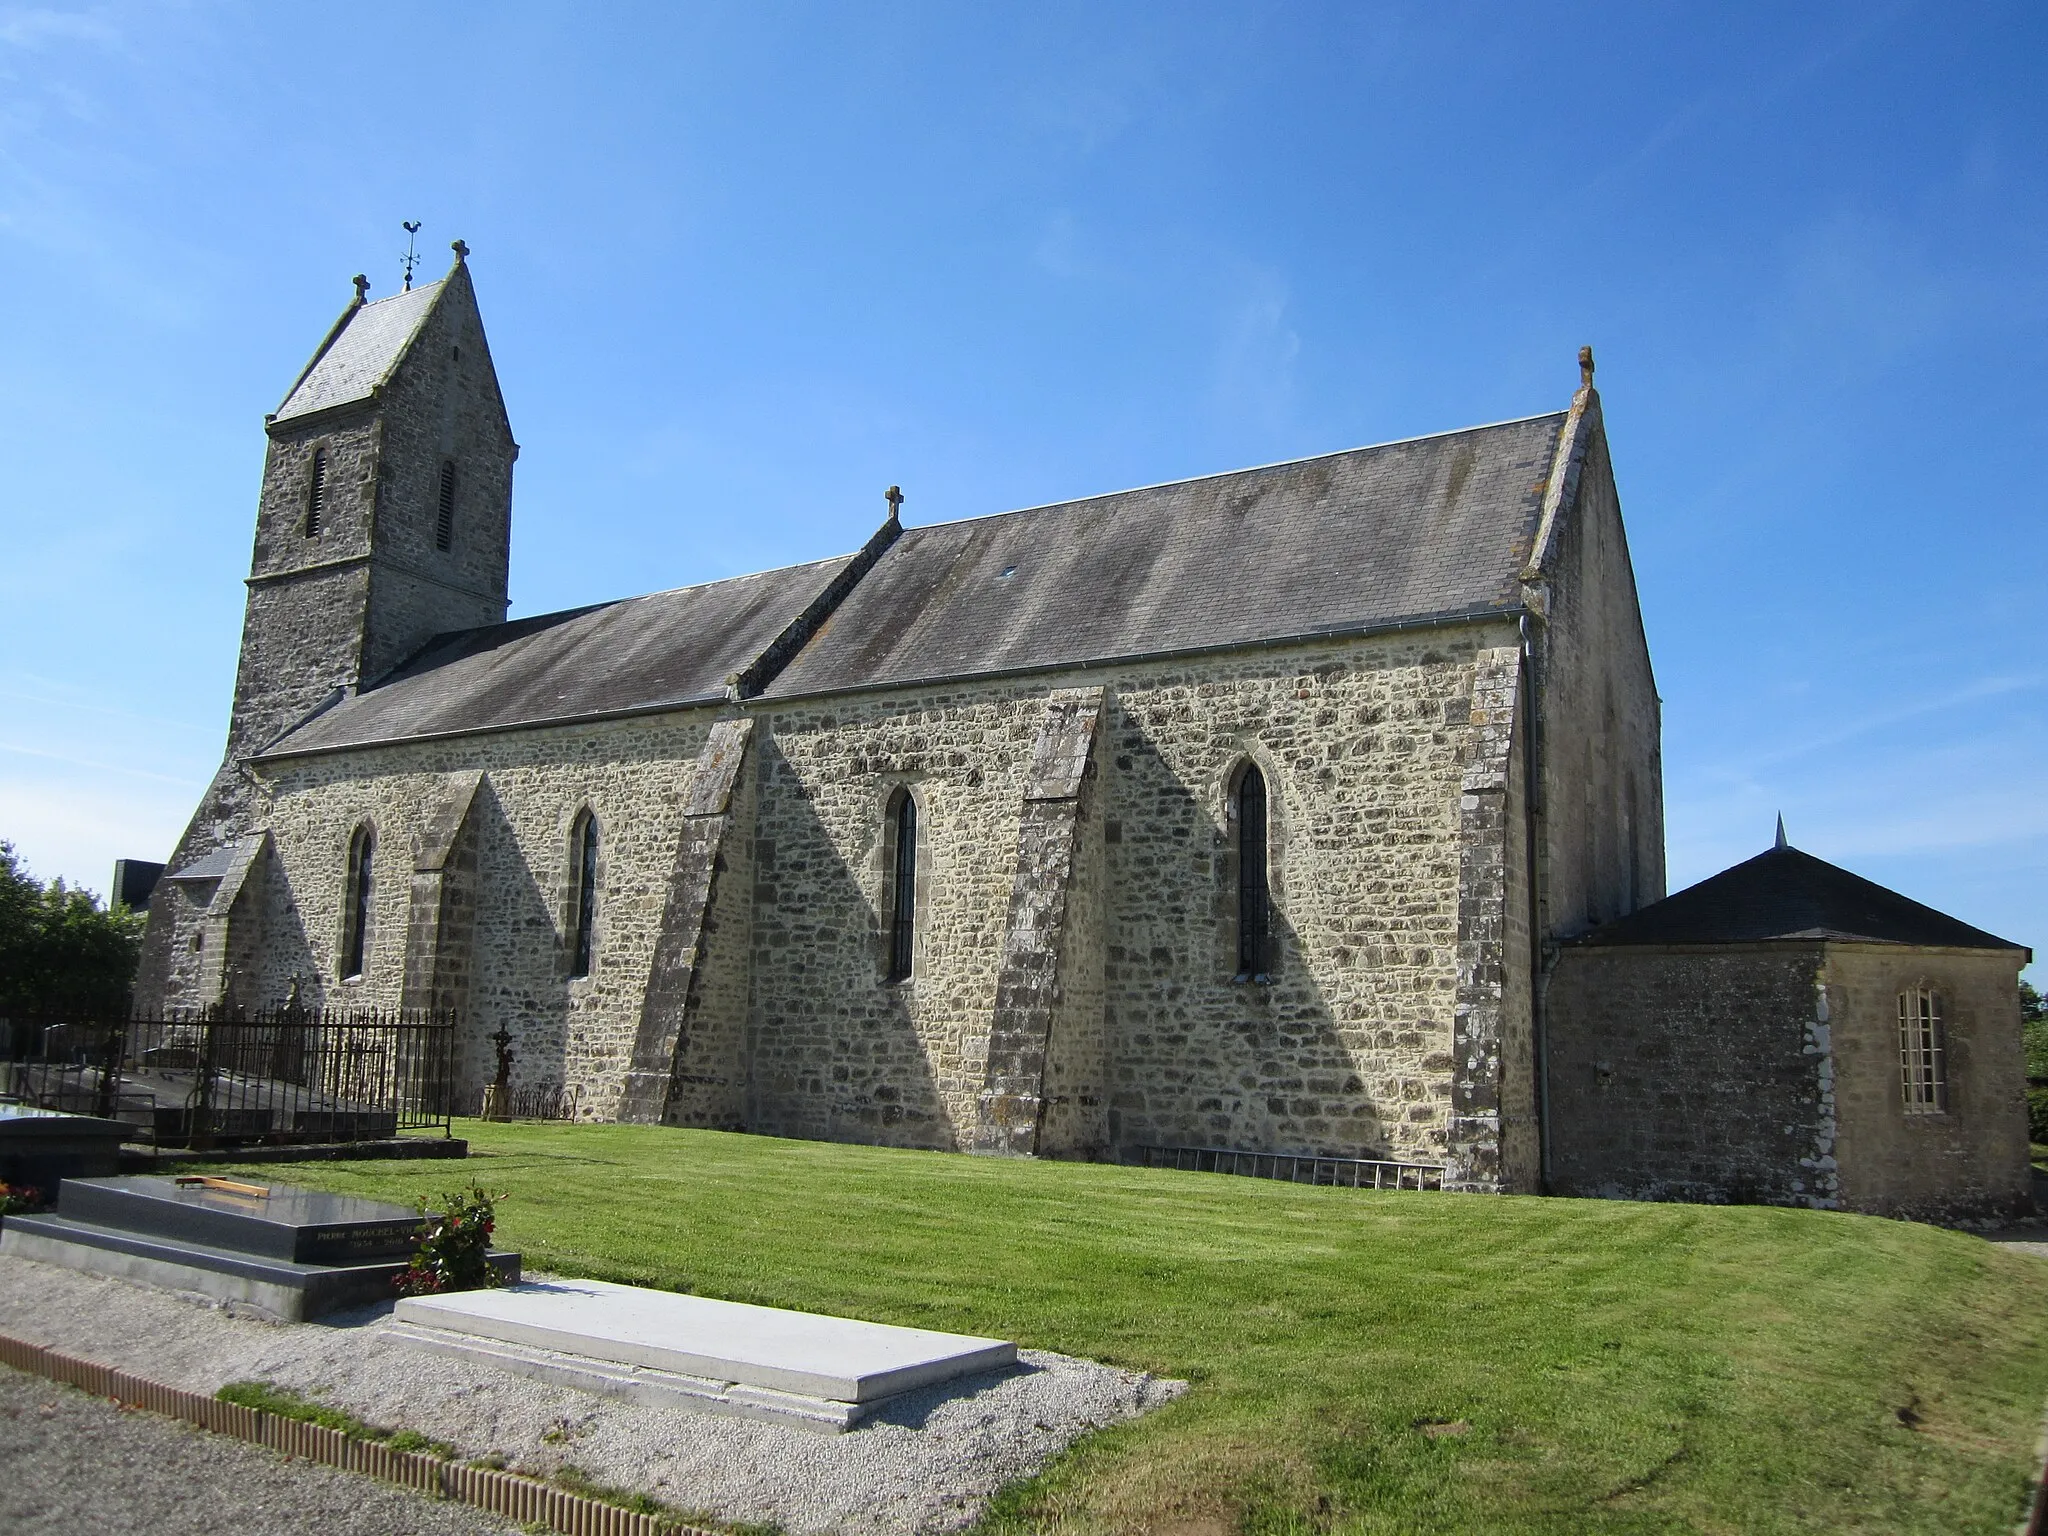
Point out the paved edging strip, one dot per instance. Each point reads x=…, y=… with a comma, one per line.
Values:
x=516, y=1498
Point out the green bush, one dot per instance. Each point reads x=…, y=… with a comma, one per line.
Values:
x=2037, y=1115
x=59, y=948
x=454, y=1245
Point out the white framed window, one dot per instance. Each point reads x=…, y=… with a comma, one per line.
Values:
x=1923, y=1069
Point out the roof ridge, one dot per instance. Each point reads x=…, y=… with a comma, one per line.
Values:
x=1248, y=469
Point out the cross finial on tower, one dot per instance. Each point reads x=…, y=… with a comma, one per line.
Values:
x=1585, y=367
x=1781, y=830
x=894, y=496
x=362, y=288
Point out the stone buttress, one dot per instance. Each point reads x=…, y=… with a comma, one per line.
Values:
x=1049, y=982
x=1486, y=831
x=688, y=1065
x=441, y=909
x=232, y=927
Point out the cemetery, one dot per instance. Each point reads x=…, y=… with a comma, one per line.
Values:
x=750, y=1331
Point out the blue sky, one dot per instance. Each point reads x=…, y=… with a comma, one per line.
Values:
x=745, y=265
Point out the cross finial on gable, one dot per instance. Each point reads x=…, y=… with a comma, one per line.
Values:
x=362, y=288
x=461, y=250
x=1585, y=367
x=894, y=496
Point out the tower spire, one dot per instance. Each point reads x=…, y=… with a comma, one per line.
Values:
x=1781, y=830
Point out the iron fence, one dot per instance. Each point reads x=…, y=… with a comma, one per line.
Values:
x=282, y=1074
x=1296, y=1167
x=543, y=1101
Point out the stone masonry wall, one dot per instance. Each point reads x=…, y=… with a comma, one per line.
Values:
x=1970, y=1160
x=1347, y=1051
x=1599, y=723
x=1691, y=1074
x=577, y=1031
x=443, y=404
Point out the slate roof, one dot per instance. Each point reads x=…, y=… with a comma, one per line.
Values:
x=209, y=866
x=361, y=357
x=1427, y=528
x=1787, y=894
x=1402, y=533
x=642, y=653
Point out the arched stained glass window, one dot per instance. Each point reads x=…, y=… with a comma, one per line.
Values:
x=903, y=892
x=583, y=839
x=1254, y=896
x=355, y=921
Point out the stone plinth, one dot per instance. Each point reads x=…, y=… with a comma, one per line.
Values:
x=294, y=1253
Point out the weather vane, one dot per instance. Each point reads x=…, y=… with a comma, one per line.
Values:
x=411, y=228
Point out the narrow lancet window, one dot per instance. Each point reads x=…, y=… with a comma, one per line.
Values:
x=1254, y=898
x=583, y=906
x=316, y=494
x=355, y=922
x=444, y=510
x=903, y=906
x=1923, y=1072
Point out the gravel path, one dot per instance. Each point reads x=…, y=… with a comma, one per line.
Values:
x=77, y=1466
x=928, y=1465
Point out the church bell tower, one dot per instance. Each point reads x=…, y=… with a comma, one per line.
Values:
x=386, y=511
x=385, y=518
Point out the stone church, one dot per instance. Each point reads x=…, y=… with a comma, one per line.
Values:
x=1244, y=812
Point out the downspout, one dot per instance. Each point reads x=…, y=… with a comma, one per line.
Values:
x=1532, y=806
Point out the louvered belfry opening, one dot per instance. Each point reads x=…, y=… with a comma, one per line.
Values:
x=316, y=494
x=444, y=511
x=903, y=911
x=1254, y=899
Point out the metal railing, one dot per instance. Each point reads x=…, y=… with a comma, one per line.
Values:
x=1296, y=1167
x=283, y=1074
x=544, y=1101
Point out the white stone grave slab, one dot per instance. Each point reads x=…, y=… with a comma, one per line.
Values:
x=691, y=1351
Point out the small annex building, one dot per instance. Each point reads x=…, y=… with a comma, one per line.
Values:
x=1789, y=1033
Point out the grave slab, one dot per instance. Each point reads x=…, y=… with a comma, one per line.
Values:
x=304, y=1226
x=39, y=1148
x=692, y=1351
x=293, y=1254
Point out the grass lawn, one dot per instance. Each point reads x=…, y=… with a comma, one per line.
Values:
x=1617, y=1367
